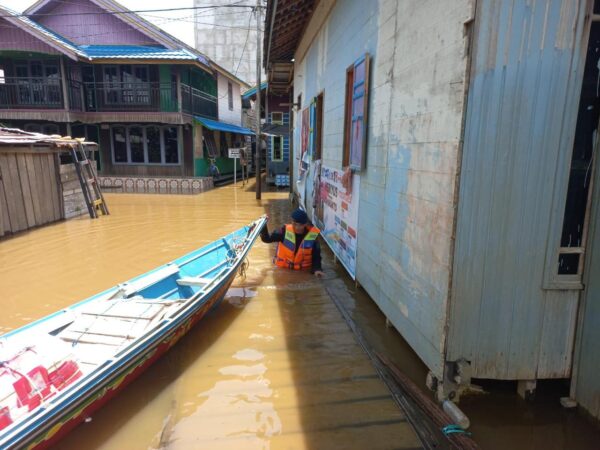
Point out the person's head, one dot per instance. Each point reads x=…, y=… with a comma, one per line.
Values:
x=299, y=221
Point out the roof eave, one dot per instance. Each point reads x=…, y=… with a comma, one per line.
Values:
x=8, y=16
x=228, y=74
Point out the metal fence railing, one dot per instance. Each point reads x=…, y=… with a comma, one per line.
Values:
x=44, y=93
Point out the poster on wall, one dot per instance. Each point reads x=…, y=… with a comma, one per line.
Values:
x=337, y=204
x=304, y=138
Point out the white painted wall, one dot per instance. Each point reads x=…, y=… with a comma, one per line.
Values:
x=407, y=190
x=225, y=114
x=228, y=36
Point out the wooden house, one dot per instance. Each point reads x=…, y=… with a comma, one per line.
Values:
x=91, y=69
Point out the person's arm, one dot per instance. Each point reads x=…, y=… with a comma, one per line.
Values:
x=316, y=260
x=276, y=236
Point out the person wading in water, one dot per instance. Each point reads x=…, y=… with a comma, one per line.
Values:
x=297, y=248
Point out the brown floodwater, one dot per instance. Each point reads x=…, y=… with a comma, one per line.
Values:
x=273, y=367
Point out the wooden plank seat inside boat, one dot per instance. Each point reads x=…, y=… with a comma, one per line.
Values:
x=102, y=328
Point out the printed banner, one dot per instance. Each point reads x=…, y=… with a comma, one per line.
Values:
x=336, y=214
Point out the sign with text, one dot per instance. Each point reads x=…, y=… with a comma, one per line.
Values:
x=234, y=152
x=337, y=214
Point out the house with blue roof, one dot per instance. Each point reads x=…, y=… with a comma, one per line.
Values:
x=93, y=69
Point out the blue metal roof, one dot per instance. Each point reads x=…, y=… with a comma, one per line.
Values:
x=221, y=126
x=135, y=52
x=252, y=91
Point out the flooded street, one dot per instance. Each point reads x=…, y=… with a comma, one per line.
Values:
x=275, y=366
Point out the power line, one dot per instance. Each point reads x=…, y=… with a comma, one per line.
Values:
x=97, y=13
x=245, y=42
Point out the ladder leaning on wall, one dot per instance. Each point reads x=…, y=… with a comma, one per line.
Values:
x=90, y=188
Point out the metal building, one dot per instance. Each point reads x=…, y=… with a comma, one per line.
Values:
x=474, y=126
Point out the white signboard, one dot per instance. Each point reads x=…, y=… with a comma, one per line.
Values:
x=234, y=152
x=337, y=214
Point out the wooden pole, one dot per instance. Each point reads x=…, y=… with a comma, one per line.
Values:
x=257, y=155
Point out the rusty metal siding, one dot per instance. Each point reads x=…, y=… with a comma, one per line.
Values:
x=89, y=28
x=522, y=107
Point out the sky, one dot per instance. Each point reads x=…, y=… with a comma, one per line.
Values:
x=178, y=23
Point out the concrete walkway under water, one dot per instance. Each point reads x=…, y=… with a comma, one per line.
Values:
x=275, y=366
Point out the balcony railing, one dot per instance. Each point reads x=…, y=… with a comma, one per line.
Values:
x=44, y=93
x=195, y=101
x=30, y=93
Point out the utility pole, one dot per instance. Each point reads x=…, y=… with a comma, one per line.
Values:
x=258, y=141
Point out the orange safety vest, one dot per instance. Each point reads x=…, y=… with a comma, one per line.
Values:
x=302, y=259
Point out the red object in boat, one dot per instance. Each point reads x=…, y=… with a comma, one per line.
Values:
x=32, y=396
x=65, y=374
x=5, y=419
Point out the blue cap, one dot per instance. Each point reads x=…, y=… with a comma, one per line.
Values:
x=300, y=216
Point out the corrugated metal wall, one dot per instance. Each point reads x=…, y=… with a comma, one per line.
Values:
x=522, y=108
x=587, y=363
x=406, y=212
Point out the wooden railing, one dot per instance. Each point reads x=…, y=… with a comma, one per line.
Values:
x=43, y=93
x=30, y=93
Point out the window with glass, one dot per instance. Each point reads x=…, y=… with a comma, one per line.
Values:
x=127, y=84
x=277, y=118
x=277, y=148
x=230, y=95
x=171, y=145
x=136, y=145
x=39, y=82
x=151, y=144
x=119, y=143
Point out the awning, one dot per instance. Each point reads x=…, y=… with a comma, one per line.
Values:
x=250, y=93
x=222, y=126
x=273, y=129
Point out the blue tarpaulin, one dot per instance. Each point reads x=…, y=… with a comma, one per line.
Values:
x=221, y=126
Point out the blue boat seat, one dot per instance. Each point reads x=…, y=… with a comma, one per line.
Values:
x=193, y=281
x=137, y=284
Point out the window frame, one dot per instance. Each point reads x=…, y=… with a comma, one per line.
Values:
x=318, y=133
x=278, y=122
x=347, y=115
x=354, y=91
x=552, y=279
x=281, y=142
x=145, y=143
x=230, y=95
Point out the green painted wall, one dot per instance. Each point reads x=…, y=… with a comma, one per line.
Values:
x=199, y=79
x=225, y=166
x=168, y=92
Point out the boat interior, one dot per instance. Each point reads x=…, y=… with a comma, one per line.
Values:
x=39, y=361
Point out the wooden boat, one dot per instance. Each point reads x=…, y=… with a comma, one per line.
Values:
x=58, y=370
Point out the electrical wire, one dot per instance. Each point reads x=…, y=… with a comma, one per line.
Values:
x=98, y=13
x=245, y=43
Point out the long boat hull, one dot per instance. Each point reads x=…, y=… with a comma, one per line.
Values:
x=62, y=411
